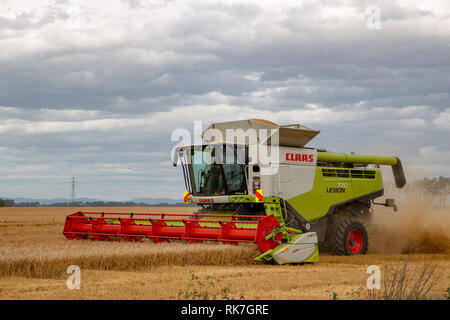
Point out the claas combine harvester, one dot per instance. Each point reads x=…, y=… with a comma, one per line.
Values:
x=287, y=203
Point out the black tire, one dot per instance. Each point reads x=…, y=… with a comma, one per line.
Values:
x=348, y=237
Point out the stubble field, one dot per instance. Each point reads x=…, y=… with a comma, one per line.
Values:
x=34, y=256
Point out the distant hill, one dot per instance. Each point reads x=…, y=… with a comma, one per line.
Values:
x=52, y=201
x=152, y=201
x=157, y=200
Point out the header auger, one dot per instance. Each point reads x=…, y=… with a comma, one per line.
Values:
x=288, y=202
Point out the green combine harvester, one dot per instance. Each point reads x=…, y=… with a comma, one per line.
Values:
x=312, y=191
x=256, y=182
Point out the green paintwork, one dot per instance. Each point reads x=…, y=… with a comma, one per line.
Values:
x=315, y=204
x=242, y=198
x=266, y=256
x=355, y=158
x=272, y=206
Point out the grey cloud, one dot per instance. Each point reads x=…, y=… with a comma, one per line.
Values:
x=100, y=102
x=97, y=76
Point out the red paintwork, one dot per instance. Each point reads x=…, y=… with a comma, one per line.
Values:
x=129, y=227
x=355, y=241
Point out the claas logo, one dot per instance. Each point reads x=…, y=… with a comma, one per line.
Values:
x=298, y=157
x=206, y=200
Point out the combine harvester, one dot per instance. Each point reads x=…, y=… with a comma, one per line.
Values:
x=288, y=204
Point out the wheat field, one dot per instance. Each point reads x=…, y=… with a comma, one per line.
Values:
x=34, y=256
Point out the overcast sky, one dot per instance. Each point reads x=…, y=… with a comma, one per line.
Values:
x=94, y=89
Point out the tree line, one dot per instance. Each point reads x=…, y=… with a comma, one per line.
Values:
x=438, y=186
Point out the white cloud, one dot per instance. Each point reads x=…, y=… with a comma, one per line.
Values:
x=443, y=120
x=436, y=153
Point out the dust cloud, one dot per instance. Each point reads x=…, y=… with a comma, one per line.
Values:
x=417, y=227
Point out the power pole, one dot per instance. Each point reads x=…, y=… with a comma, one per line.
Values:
x=73, y=190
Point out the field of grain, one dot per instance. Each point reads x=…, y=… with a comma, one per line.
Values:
x=34, y=256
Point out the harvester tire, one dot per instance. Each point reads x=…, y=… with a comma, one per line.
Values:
x=350, y=237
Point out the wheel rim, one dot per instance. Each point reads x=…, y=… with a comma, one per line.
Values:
x=355, y=241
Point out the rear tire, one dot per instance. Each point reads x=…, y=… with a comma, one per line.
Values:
x=349, y=237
